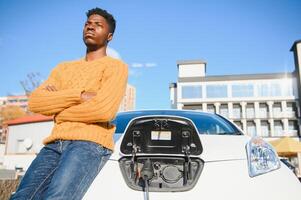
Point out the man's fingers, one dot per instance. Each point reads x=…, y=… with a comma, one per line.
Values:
x=87, y=95
x=50, y=88
x=93, y=94
x=47, y=88
x=53, y=88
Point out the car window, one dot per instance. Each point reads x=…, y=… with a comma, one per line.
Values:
x=214, y=125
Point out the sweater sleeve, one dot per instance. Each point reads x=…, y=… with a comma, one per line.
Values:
x=52, y=102
x=104, y=106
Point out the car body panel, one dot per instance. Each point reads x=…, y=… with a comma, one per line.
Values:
x=215, y=147
x=219, y=180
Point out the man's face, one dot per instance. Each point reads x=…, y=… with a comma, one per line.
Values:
x=96, y=31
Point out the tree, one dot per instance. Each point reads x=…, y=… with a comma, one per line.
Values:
x=11, y=112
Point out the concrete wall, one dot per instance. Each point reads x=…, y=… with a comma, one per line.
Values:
x=34, y=132
x=192, y=70
x=16, y=154
x=18, y=161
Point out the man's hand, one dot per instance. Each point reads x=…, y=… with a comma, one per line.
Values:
x=85, y=96
x=50, y=88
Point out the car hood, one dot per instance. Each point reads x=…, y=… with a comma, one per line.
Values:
x=223, y=147
x=215, y=148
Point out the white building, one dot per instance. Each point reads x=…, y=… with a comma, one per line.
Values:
x=24, y=140
x=260, y=104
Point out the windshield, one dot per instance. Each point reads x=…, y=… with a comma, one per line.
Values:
x=214, y=125
x=205, y=123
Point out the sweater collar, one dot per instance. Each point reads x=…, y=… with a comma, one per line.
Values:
x=93, y=61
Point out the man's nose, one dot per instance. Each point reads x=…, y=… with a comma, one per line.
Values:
x=90, y=27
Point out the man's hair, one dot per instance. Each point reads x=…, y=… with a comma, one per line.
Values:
x=109, y=17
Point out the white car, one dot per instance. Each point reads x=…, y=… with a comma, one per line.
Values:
x=185, y=155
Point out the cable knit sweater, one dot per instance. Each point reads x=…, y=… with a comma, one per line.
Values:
x=76, y=119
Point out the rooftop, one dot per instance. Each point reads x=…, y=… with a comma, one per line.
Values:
x=295, y=44
x=188, y=62
x=29, y=119
x=238, y=77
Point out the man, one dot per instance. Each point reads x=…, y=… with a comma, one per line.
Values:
x=84, y=96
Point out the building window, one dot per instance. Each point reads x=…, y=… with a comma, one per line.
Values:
x=191, y=91
x=264, y=125
x=13, y=101
x=263, y=90
x=239, y=124
x=192, y=107
x=211, y=108
x=216, y=91
x=236, y=111
x=251, y=128
x=287, y=87
x=291, y=109
x=23, y=100
x=263, y=110
x=224, y=110
x=293, y=127
x=275, y=89
x=269, y=89
x=250, y=111
x=278, y=129
x=277, y=110
x=242, y=90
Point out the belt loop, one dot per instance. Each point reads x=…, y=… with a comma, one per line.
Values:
x=61, y=145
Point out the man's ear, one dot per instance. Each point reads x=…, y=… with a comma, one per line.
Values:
x=110, y=37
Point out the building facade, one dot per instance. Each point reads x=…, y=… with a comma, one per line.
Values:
x=129, y=100
x=17, y=100
x=266, y=105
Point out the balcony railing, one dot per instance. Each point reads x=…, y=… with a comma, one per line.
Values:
x=290, y=114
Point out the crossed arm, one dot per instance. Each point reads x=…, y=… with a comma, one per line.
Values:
x=49, y=98
x=84, y=95
x=77, y=104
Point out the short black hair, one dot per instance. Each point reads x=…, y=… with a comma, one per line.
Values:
x=109, y=17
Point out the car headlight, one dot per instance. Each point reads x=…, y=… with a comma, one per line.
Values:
x=262, y=158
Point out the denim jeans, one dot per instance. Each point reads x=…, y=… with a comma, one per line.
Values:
x=63, y=169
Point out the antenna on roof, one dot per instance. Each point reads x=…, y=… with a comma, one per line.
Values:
x=32, y=81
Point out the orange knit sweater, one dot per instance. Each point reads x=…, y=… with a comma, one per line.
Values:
x=75, y=119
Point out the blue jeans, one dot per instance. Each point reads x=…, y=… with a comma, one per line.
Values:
x=63, y=169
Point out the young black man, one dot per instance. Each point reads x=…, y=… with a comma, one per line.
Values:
x=83, y=96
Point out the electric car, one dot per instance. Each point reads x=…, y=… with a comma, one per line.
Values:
x=185, y=155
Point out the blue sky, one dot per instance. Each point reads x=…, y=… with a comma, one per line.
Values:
x=233, y=37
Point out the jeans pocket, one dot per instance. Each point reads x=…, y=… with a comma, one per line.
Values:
x=100, y=149
x=105, y=155
x=103, y=151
